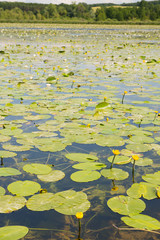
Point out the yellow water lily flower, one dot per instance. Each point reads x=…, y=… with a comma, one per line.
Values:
x=116, y=152
x=135, y=157
x=79, y=215
x=125, y=92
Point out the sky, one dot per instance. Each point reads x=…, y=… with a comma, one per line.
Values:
x=76, y=1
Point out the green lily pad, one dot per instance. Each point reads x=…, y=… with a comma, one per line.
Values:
x=71, y=202
x=41, y=202
x=85, y=176
x=6, y=171
x=126, y=205
x=89, y=166
x=141, y=139
x=144, y=162
x=4, y=138
x=7, y=154
x=152, y=178
x=139, y=147
x=53, y=176
x=16, y=148
x=81, y=157
x=142, y=221
x=147, y=190
x=11, y=203
x=2, y=191
x=13, y=232
x=37, y=168
x=115, y=174
x=24, y=188
x=120, y=159
x=102, y=105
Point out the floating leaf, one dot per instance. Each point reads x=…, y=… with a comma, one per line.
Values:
x=10, y=203
x=139, y=147
x=7, y=154
x=142, y=221
x=81, y=157
x=71, y=202
x=6, y=171
x=102, y=105
x=2, y=191
x=85, y=176
x=37, y=168
x=89, y=166
x=41, y=202
x=120, y=159
x=115, y=174
x=51, y=78
x=24, y=188
x=53, y=176
x=13, y=232
x=16, y=148
x=152, y=178
x=144, y=162
x=147, y=190
x=126, y=205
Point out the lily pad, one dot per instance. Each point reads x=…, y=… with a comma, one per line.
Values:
x=53, y=176
x=85, y=176
x=142, y=221
x=71, y=202
x=11, y=203
x=13, y=232
x=81, y=157
x=37, y=168
x=2, y=191
x=126, y=205
x=7, y=154
x=6, y=171
x=152, y=178
x=115, y=174
x=120, y=159
x=102, y=105
x=24, y=188
x=147, y=190
x=139, y=147
x=41, y=202
x=89, y=166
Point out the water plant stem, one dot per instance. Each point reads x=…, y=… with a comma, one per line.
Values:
x=133, y=168
x=112, y=161
x=79, y=231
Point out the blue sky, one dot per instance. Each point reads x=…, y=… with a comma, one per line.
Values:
x=76, y=1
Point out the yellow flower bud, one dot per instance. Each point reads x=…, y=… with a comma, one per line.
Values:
x=135, y=157
x=125, y=92
x=116, y=152
x=79, y=215
x=156, y=111
x=158, y=192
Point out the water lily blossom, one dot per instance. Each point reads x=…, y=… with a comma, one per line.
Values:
x=79, y=215
x=116, y=152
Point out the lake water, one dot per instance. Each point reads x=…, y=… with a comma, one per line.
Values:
x=69, y=89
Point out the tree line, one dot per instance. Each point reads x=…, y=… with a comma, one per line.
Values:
x=19, y=11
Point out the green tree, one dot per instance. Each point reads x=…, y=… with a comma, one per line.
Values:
x=100, y=14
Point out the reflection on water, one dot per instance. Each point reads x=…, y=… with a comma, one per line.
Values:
x=105, y=62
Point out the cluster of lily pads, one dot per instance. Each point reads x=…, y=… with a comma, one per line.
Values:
x=66, y=89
